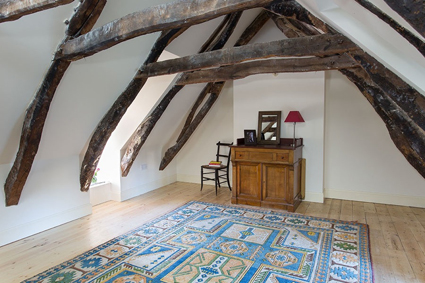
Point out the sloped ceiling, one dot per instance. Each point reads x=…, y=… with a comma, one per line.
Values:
x=374, y=36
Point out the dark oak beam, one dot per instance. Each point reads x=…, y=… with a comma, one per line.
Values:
x=409, y=100
x=36, y=115
x=253, y=28
x=319, y=45
x=270, y=66
x=413, y=11
x=167, y=16
x=292, y=10
x=286, y=26
x=408, y=35
x=11, y=10
x=85, y=17
x=303, y=27
x=216, y=34
x=218, y=40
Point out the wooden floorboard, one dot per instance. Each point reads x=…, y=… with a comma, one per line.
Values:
x=397, y=233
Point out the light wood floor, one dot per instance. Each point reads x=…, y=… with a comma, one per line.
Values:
x=397, y=232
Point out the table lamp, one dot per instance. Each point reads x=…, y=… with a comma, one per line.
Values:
x=294, y=117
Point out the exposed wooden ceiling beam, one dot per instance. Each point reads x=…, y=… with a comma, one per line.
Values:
x=253, y=28
x=11, y=10
x=408, y=35
x=285, y=25
x=319, y=45
x=413, y=11
x=291, y=9
x=303, y=27
x=167, y=16
x=36, y=113
x=220, y=37
x=270, y=66
x=85, y=17
x=198, y=102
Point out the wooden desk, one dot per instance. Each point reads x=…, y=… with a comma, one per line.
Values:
x=267, y=175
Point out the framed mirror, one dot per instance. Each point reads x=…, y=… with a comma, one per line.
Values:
x=269, y=127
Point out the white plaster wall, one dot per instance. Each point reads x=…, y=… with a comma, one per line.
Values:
x=286, y=92
x=361, y=161
x=51, y=197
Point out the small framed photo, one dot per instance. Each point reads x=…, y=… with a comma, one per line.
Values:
x=250, y=137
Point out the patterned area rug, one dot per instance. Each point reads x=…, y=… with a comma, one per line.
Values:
x=202, y=242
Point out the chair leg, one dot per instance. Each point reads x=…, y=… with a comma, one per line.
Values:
x=202, y=177
x=216, y=180
x=228, y=180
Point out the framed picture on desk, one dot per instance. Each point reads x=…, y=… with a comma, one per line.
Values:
x=250, y=137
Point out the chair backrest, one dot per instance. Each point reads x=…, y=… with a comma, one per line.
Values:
x=223, y=151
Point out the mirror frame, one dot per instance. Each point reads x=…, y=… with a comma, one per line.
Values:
x=260, y=120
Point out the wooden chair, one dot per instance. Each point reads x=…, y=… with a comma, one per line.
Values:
x=218, y=174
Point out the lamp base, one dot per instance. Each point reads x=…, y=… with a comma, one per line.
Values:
x=289, y=142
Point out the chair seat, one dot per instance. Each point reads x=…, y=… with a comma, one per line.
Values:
x=214, y=167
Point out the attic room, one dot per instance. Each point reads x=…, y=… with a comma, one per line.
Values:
x=356, y=168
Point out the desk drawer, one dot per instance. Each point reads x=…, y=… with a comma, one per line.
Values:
x=241, y=155
x=282, y=157
x=263, y=156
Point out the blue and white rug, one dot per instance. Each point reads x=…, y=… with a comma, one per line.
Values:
x=203, y=242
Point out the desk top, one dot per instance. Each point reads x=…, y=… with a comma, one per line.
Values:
x=285, y=143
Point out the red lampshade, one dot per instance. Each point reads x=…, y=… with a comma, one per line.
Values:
x=294, y=117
